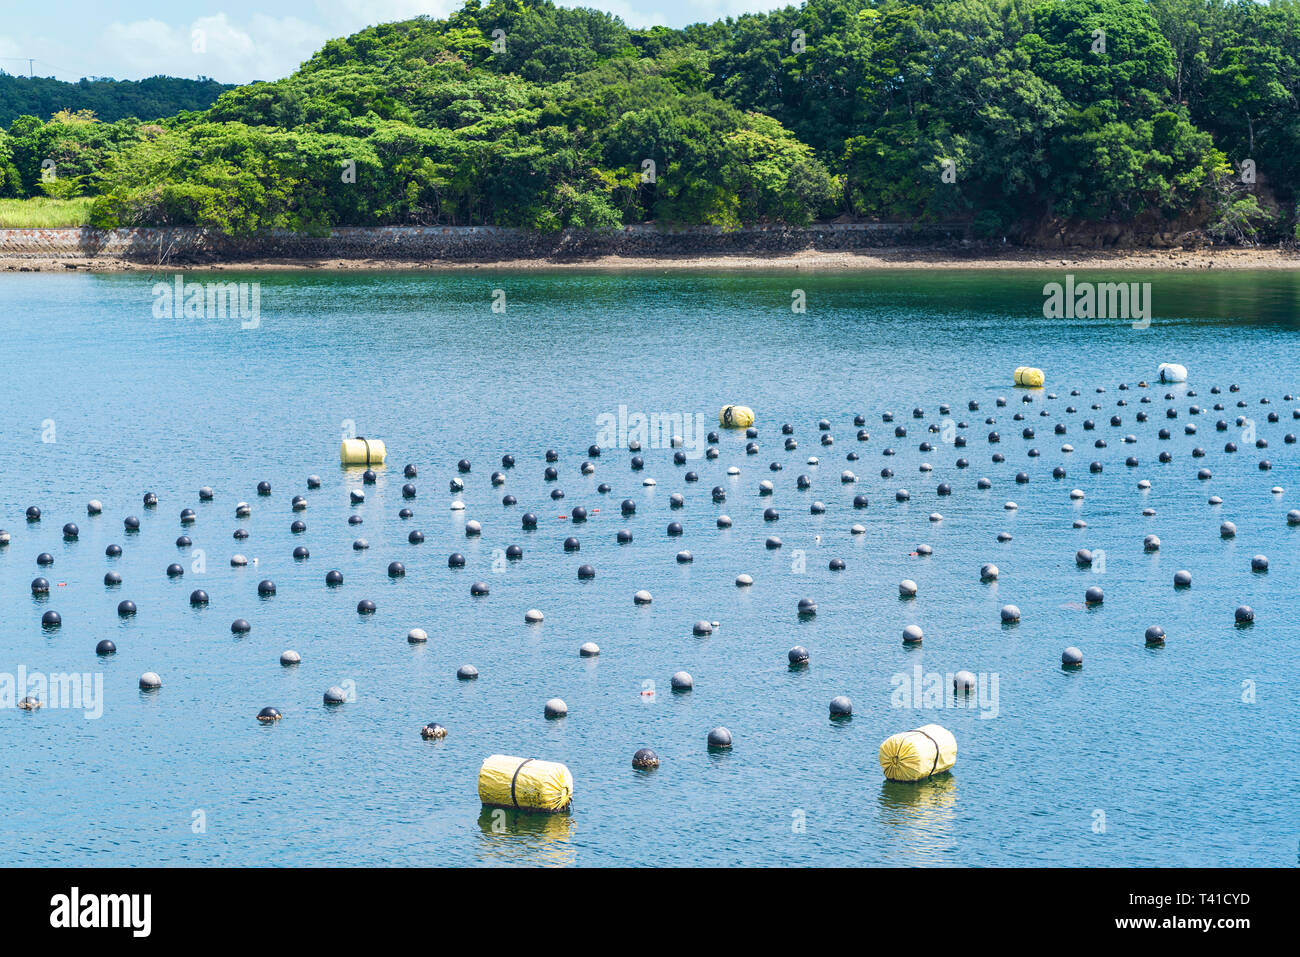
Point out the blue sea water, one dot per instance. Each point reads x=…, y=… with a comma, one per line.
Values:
x=1177, y=755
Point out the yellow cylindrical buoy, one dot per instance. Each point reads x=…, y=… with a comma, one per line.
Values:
x=1029, y=377
x=736, y=416
x=505, y=781
x=917, y=755
x=362, y=451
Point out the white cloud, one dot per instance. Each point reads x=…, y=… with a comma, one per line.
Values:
x=263, y=48
x=349, y=16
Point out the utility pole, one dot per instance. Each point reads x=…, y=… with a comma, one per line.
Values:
x=31, y=72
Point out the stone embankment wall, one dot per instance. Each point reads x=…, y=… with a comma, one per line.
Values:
x=181, y=244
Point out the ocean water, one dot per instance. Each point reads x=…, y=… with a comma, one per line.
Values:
x=1175, y=755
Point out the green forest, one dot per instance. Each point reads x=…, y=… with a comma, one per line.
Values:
x=1011, y=117
x=108, y=99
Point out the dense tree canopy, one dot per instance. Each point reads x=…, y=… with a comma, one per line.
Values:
x=1002, y=114
x=109, y=99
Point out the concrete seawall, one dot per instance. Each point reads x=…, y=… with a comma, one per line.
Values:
x=188, y=244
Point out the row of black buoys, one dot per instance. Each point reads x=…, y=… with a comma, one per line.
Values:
x=798, y=656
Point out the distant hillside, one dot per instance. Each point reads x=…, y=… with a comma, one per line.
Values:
x=1097, y=121
x=111, y=100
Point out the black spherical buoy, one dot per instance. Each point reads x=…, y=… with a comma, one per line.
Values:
x=571, y=544
x=263, y=488
x=240, y=626
x=112, y=579
x=266, y=587
x=529, y=520
x=455, y=560
x=51, y=619
x=105, y=647
x=40, y=586
x=807, y=608
x=1155, y=635
x=269, y=715
x=131, y=523
x=198, y=597
x=645, y=760
x=797, y=656
x=334, y=577
x=1244, y=615
x=70, y=532
x=478, y=589
x=1094, y=596
x=301, y=553
x=113, y=551
x=396, y=569
x=365, y=607
x=415, y=537
x=175, y=571
x=33, y=514
x=125, y=609
x=719, y=739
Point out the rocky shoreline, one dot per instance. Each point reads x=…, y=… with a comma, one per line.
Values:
x=828, y=247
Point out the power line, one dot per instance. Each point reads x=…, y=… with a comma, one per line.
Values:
x=31, y=65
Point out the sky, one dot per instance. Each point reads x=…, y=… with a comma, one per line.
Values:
x=238, y=41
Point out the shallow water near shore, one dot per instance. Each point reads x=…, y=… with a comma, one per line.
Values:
x=1176, y=755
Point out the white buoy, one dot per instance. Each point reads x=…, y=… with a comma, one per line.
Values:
x=533, y=616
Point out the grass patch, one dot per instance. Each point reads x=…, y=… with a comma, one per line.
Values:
x=44, y=213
